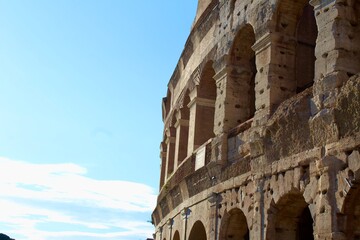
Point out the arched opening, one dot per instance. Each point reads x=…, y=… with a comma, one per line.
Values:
x=293, y=64
x=234, y=226
x=354, y=37
x=242, y=71
x=352, y=213
x=306, y=35
x=292, y=219
x=205, y=106
x=176, y=236
x=198, y=232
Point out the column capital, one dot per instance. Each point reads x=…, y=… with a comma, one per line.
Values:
x=263, y=43
x=220, y=75
x=182, y=122
x=170, y=140
x=201, y=102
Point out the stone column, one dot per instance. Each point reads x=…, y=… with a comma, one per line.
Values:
x=232, y=98
x=163, y=155
x=226, y=111
x=337, y=49
x=182, y=135
x=324, y=211
x=170, y=142
x=274, y=82
x=257, y=224
x=214, y=221
x=201, y=121
x=221, y=124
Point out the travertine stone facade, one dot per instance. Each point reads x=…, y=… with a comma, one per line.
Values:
x=262, y=124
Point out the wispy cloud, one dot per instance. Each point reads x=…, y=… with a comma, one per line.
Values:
x=56, y=201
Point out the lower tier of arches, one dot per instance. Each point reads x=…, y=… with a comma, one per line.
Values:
x=310, y=198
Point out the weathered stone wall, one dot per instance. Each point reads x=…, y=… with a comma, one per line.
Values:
x=262, y=124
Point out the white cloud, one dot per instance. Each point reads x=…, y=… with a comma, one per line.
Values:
x=45, y=194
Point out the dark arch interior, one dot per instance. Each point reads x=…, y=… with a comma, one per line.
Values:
x=242, y=75
x=176, y=236
x=207, y=86
x=352, y=213
x=306, y=34
x=235, y=226
x=305, y=226
x=205, y=114
x=197, y=232
x=293, y=219
x=355, y=35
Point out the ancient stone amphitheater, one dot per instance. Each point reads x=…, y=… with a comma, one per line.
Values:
x=262, y=124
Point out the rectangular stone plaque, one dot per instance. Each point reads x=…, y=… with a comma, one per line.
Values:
x=200, y=157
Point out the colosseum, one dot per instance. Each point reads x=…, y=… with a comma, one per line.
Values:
x=262, y=124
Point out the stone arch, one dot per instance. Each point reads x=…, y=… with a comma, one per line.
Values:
x=176, y=235
x=198, y=231
x=205, y=105
x=290, y=219
x=234, y=226
x=296, y=30
x=241, y=73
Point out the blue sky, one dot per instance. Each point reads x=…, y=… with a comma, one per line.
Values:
x=81, y=83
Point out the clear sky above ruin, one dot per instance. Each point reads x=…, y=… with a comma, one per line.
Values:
x=81, y=84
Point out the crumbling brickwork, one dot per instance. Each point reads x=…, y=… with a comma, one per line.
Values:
x=262, y=124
